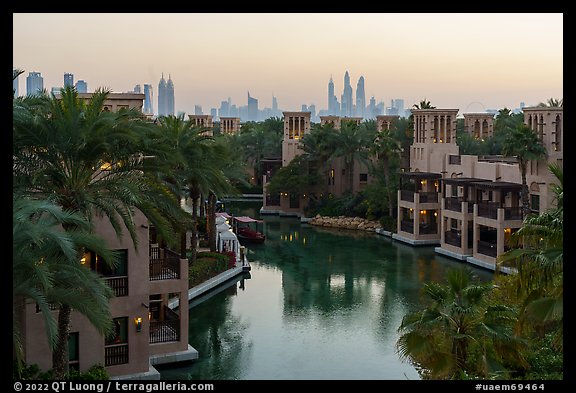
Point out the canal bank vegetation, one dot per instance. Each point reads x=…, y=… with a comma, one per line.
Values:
x=208, y=265
x=511, y=328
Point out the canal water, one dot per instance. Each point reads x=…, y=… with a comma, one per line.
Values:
x=318, y=304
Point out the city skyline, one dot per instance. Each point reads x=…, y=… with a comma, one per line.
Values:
x=451, y=60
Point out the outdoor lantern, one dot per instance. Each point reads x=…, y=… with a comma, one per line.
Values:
x=138, y=323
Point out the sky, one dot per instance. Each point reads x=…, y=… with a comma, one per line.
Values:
x=469, y=61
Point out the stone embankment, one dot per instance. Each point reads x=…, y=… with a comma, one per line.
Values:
x=345, y=223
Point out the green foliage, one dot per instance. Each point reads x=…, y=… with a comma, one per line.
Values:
x=294, y=178
x=95, y=373
x=207, y=265
x=32, y=372
x=349, y=205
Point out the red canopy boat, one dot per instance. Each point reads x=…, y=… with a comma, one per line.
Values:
x=243, y=227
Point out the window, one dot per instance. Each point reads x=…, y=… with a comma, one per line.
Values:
x=73, y=351
x=97, y=264
x=120, y=334
x=116, y=345
x=363, y=177
x=535, y=203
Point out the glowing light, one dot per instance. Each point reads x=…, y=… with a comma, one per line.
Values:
x=435, y=214
x=138, y=323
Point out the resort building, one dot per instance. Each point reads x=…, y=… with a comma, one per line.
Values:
x=479, y=125
x=204, y=121
x=229, y=125
x=470, y=205
x=296, y=125
x=385, y=121
x=147, y=283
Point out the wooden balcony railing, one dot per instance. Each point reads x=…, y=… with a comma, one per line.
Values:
x=488, y=209
x=407, y=195
x=512, y=213
x=407, y=226
x=115, y=354
x=487, y=248
x=164, y=268
x=454, y=204
x=428, y=197
x=453, y=238
x=118, y=284
x=164, y=331
x=428, y=229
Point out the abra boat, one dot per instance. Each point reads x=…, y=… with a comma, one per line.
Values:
x=246, y=230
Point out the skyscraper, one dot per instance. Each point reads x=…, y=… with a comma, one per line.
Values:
x=162, y=98
x=332, y=100
x=170, y=107
x=138, y=89
x=252, y=114
x=346, y=108
x=34, y=83
x=81, y=86
x=15, y=86
x=198, y=110
x=360, y=98
x=148, y=99
x=68, y=79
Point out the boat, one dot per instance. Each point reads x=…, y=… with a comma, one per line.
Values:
x=246, y=230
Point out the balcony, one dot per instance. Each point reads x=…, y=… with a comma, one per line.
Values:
x=513, y=213
x=427, y=229
x=407, y=226
x=167, y=330
x=118, y=284
x=166, y=267
x=407, y=195
x=488, y=209
x=453, y=238
x=428, y=197
x=115, y=354
x=454, y=204
x=487, y=248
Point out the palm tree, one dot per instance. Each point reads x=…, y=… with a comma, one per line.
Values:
x=523, y=143
x=552, y=102
x=423, y=104
x=87, y=160
x=385, y=148
x=351, y=144
x=319, y=146
x=189, y=167
x=540, y=262
x=459, y=322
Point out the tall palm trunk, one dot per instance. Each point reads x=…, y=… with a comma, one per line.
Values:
x=211, y=221
x=60, y=353
x=386, y=167
x=194, y=231
x=350, y=169
x=524, y=190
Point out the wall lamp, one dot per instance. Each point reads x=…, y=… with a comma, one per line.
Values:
x=138, y=323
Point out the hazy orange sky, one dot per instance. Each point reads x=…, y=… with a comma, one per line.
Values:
x=466, y=61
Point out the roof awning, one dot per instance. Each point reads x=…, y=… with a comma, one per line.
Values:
x=223, y=214
x=246, y=219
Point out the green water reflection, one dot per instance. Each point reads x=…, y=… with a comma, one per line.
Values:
x=320, y=304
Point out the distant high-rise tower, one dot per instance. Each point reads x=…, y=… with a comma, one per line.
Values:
x=346, y=108
x=138, y=89
x=170, y=107
x=198, y=110
x=162, y=98
x=148, y=99
x=332, y=100
x=81, y=86
x=68, y=79
x=15, y=86
x=360, y=98
x=252, y=108
x=34, y=83
x=274, y=104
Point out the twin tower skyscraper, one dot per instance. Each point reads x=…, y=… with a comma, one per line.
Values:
x=346, y=107
x=165, y=96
